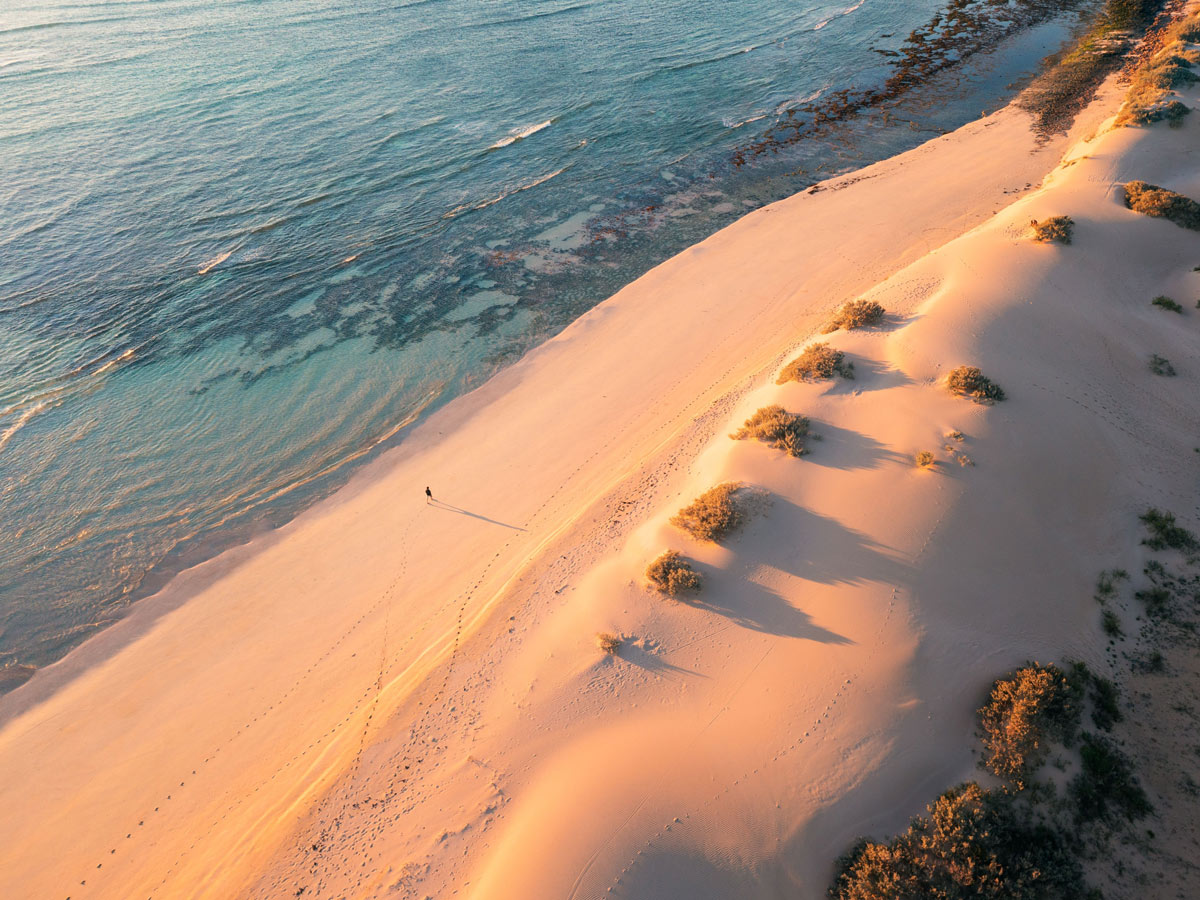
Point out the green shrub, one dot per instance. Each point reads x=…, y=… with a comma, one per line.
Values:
x=1106, y=584
x=1166, y=533
x=973, y=844
x=1166, y=303
x=856, y=314
x=818, y=361
x=968, y=381
x=1105, y=790
x=1023, y=714
x=1106, y=706
x=1056, y=228
x=1157, y=601
x=1152, y=200
x=672, y=574
x=778, y=428
x=1111, y=624
x=1160, y=365
x=713, y=515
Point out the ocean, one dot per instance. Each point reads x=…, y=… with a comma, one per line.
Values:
x=246, y=244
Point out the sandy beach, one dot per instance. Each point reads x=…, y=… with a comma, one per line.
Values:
x=390, y=697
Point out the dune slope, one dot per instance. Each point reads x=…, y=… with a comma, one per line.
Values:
x=389, y=698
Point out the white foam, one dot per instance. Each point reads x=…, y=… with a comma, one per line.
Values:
x=521, y=134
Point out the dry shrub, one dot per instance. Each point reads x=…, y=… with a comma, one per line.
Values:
x=1055, y=228
x=1024, y=713
x=968, y=381
x=1160, y=203
x=672, y=574
x=925, y=459
x=1149, y=97
x=713, y=515
x=856, y=314
x=778, y=428
x=607, y=642
x=973, y=844
x=818, y=361
x=1058, y=94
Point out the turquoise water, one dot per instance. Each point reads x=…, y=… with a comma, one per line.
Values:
x=243, y=243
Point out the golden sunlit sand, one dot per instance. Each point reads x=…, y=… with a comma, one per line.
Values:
x=395, y=698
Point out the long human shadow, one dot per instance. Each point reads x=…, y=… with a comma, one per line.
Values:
x=442, y=504
x=758, y=608
x=823, y=550
x=842, y=448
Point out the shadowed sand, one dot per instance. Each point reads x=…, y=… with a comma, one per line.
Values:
x=389, y=698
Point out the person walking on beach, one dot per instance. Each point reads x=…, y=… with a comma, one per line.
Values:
x=428, y=494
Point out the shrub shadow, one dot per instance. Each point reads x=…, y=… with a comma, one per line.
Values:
x=842, y=448
x=650, y=662
x=760, y=609
x=827, y=552
x=869, y=375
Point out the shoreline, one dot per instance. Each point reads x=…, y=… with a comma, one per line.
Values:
x=234, y=645
x=185, y=582
x=45, y=642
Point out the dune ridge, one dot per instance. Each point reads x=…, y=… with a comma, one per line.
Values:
x=394, y=698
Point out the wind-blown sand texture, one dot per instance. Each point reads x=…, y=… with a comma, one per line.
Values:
x=392, y=699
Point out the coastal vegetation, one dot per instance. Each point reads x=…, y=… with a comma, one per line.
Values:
x=713, y=515
x=1022, y=840
x=1160, y=203
x=968, y=381
x=1057, y=95
x=856, y=314
x=1160, y=365
x=778, y=428
x=1024, y=713
x=607, y=642
x=1055, y=229
x=1165, y=533
x=1166, y=303
x=957, y=31
x=818, y=361
x=1150, y=97
x=673, y=575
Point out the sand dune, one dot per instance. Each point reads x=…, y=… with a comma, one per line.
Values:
x=389, y=698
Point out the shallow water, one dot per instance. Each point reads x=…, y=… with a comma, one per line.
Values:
x=245, y=242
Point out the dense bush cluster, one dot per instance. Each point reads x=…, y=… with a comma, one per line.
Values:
x=1024, y=712
x=818, y=361
x=856, y=314
x=1056, y=228
x=1012, y=843
x=1160, y=203
x=713, y=515
x=778, y=428
x=1149, y=98
x=673, y=575
x=973, y=843
x=968, y=381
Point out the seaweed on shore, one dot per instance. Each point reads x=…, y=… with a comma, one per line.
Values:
x=1060, y=93
x=960, y=30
